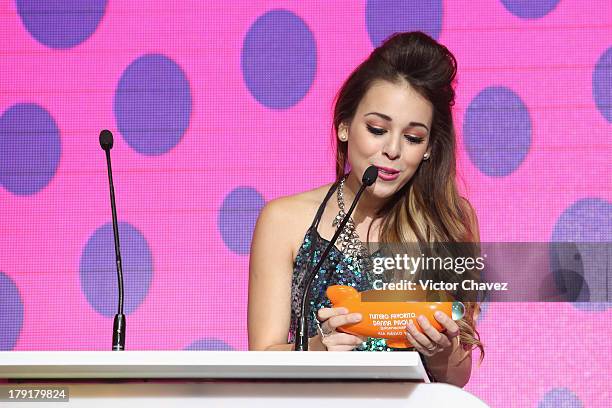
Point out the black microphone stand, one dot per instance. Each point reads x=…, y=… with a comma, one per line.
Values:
x=106, y=142
x=301, y=331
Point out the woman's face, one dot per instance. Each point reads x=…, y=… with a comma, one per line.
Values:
x=390, y=130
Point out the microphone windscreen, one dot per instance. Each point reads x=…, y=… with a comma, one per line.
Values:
x=370, y=176
x=106, y=139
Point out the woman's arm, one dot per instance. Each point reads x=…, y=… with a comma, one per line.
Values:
x=270, y=272
x=270, y=276
x=446, y=359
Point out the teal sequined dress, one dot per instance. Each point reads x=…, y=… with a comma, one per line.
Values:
x=338, y=269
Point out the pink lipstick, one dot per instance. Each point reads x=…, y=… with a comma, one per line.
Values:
x=387, y=174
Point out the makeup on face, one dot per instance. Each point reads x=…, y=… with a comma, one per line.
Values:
x=391, y=132
x=415, y=136
x=387, y=174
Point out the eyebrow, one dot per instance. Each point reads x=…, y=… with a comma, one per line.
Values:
x=388, y=118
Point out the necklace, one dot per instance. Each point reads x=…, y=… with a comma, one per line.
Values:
x=349, y=241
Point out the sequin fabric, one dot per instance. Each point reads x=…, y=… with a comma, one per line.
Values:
x=337, y=269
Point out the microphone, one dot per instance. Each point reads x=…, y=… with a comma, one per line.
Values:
x=106, y=142
x=301, y=331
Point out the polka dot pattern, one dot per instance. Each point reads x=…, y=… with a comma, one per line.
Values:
x=560, y=398
x=61, y=23
x=568, y=272
x=98, y=269
x=586, y=220
x=579, y=253
x=529, y=9
x=209, y=344
x=206, y=98
x=497, y=131
x=386, y=17
x=11, y=313
x=602, y=84
x=153, y=104
x=279, y=59
x=593, y=307
x=238, y=216
x=30, y=148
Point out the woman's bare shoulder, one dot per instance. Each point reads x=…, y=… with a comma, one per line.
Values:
x=298, y=208
x=292, y=215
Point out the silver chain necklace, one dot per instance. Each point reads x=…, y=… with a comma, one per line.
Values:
x=349, y=241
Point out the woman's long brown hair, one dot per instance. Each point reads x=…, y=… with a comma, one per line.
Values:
x=428, y=209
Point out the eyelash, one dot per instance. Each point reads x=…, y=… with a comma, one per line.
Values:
x=380, y=132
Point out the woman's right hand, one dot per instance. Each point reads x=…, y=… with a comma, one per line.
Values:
x=330, y=318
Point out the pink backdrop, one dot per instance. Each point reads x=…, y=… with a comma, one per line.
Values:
x=218, y=107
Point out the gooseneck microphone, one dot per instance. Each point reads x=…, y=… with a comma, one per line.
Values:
x=106, y=142
x=301, y=331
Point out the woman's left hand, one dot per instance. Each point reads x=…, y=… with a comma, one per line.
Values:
x=431, y=341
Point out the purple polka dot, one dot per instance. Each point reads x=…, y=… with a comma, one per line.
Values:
x=386, y=17
x=586, y=220
x=497, y=131
x=602, y=84
x=528, y=8
x=210, y=344
x=568, y=273
x=61, y=23
x=279, y=59
x=560, y=398
x=11, y=313
x=98, y=269
x=580, y=252
x=238, y=216
x=153, y=104
x=592, y=307
x=30, y=148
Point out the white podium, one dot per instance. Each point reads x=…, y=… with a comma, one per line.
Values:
x=229, y=379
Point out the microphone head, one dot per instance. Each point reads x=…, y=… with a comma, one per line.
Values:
x=370, y=176
x=106, y=139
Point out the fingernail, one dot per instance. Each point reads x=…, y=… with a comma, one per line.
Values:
x=439, y=314
x=356, y=317
x=411, y=324
x=422, y=319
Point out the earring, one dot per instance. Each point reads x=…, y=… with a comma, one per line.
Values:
x=343, y=137
x=426, y=156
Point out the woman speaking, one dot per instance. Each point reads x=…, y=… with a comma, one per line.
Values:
x=393, y=112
